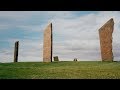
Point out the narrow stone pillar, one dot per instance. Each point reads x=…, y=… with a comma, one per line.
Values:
x=47, y=44
x=105, y=35
x=16, y=51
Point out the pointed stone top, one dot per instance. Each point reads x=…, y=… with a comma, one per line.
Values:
x=48, y=26
x=111, y=19
x=109, y=22
x=49, y=23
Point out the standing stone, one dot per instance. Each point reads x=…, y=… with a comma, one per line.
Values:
x=75, y=59
x=47, y=44
x=16, y=51
x=56, y=58
x=105, y=35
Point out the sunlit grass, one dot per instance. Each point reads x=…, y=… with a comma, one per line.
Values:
x=60, y=70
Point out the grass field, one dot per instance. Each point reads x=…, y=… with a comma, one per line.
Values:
x=60, y=70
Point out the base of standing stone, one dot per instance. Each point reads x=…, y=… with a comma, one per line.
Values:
x=107, y=60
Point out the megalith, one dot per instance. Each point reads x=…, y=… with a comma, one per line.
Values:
x=105, y=35
x=47, y=44
x=16, y=51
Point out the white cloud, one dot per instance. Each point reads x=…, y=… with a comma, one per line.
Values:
x=73, y=37
x=81, y=35
x=6, y=55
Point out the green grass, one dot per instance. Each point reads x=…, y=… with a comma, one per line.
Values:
x=60, y=70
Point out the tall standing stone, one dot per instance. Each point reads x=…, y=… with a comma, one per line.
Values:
x=16, y=51
x=105, y=35
x=47, y=44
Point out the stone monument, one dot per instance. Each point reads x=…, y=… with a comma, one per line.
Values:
x=105, y=35
x=16, y=51
x=47, y=44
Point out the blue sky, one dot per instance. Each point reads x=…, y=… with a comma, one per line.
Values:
x=75, y=34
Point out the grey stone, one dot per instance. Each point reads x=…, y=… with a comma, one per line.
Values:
x=16, y=51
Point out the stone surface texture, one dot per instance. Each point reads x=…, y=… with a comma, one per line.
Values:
x=47, y=44
x=105, y=35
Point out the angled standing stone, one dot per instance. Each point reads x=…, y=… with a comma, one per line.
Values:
x=105, y=35
x=47, y=44
x=16, y=51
